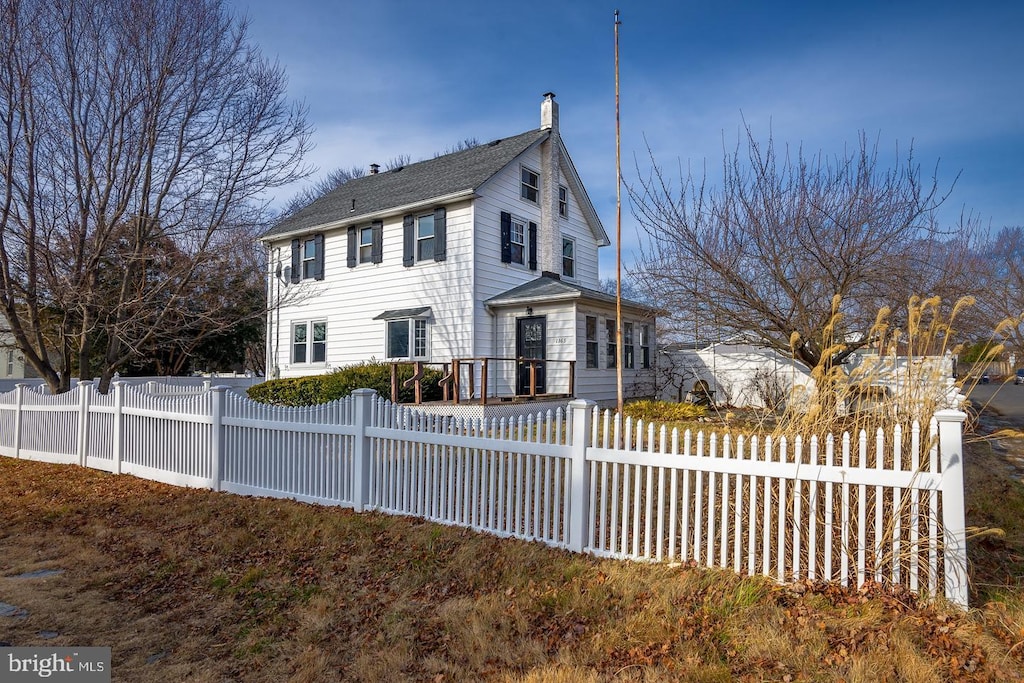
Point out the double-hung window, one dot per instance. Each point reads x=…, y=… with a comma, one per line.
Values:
x=563, y=201
x=591, y=333
x=568, y=258
x=518, y=241
x=309, y=342
x=407, y=339
x=628, y=359
x=425, y=237
x=645, y=346
x=10, y=362
x=612, y=348
x=308, y=258
x=366, y=245
x=530, y=185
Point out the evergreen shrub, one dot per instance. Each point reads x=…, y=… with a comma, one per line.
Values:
x=316, y=389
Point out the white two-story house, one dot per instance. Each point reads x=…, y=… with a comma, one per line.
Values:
x=486, y=253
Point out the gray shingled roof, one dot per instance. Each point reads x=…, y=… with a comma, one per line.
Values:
x=439, y=177
x=551, y=289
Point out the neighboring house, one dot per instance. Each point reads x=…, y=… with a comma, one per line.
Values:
x=735, y=372
x=490, y=252
x=12, y=363
x=741, y=373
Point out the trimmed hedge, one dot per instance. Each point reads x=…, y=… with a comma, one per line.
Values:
x=316, y=389
x=664, y=411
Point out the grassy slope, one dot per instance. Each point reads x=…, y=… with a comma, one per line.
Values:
x=194, y=585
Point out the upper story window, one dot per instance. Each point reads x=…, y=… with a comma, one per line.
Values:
x=591, y=333
x=518, y=241
x=308, y=258
x=365, y=245
x=563, y=201
x=10, y=362
x=309, y=345
x=424, y=237
x=568, y=258
x=530, y=185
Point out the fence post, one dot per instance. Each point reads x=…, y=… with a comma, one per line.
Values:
x=19, y=403
x=579, y=493
x=84, y=389
x=361, y=464
x=217, y=433
x=951, y=453
x=118, y=425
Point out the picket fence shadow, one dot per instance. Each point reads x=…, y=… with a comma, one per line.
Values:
x=887, y=508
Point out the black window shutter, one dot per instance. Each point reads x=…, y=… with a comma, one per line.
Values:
x=377, y=250
x=318, y=243
x=506, y=237
x=440, y=235
x=296, y=261
x=353, y=248
x=408, y=241
x=533, y=246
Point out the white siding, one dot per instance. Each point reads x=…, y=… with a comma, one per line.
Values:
x=349, y=298
x=492, y=277
x=576, y=227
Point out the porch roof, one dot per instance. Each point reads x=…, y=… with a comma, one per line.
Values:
x=549, y=287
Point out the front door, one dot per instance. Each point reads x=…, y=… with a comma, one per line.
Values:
x=530, y=343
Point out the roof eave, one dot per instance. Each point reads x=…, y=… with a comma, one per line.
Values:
x=362, y=218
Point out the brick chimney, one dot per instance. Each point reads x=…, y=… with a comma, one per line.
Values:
x=549, y=234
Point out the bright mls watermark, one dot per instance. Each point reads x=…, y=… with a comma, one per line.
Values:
x=58, y=664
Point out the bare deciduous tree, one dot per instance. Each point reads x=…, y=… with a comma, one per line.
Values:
x=769, y=252
x=325, y=185
x=128, y=131
x=998, y=265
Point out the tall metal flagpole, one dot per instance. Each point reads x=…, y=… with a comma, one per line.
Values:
x=618, y=230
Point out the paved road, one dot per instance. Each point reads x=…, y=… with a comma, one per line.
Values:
x=1005, y=399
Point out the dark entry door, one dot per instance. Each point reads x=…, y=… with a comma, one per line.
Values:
x=530, y=343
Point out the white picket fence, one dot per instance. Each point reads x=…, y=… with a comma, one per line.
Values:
x=883, y=508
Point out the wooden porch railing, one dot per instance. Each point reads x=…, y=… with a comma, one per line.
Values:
x=452, y=385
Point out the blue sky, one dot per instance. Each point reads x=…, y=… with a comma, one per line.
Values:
x=389, y=77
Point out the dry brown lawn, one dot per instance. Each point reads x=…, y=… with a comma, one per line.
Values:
x=190, y=585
